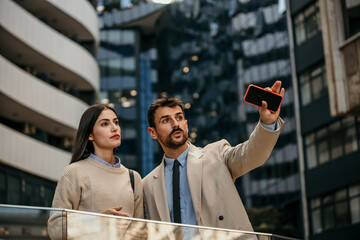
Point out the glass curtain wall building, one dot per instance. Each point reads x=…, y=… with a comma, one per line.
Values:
x=126, y=62
x=261, y=47
x=196, y=64
x=207, y=60
x=209, y=51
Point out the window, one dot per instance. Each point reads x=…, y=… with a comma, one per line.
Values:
x=351, y=144
x=316, y=215
x=350, y=10
x=341, y=208
x=14, y=190
x=305, y=89
x=48, y=196
x=118, y=37
x=354, y=193
x=336, y=140
x=335, y=209
x=313, y=84
x=20, y=188
x=28, y=193
x=331, y=142
x=2, y=187
x=307, y=23
x=310, y=150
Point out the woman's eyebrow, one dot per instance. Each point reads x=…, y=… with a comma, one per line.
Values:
x=104, y=119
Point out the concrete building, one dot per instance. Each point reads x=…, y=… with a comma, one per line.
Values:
x=325, y=55
x=48, y=77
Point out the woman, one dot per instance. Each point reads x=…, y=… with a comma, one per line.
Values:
x=95, y=181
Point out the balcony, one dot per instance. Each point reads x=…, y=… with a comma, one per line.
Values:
x=23, y=222
x=27, y=41
x=350, y=56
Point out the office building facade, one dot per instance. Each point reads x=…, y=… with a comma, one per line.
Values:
x=325, y=42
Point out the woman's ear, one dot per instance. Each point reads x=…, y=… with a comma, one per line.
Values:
x=91, y=138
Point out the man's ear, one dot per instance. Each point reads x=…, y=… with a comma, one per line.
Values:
x=91, y=138
x=152, y=133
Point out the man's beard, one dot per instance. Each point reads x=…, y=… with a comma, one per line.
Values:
x=170, y=143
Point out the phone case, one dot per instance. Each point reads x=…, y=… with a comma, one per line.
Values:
x=262, y=89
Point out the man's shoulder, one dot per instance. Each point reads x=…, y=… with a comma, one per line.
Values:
x=216, y=144
x=155, y=172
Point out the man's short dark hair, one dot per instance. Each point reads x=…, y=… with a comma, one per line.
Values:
x=162, y=102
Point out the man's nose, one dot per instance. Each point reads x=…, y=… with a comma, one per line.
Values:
x=175, y=123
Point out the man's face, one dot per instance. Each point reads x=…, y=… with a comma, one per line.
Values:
x=171, y=127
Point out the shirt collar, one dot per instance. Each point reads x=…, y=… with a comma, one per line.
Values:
x=169, y=162
x=117, y=161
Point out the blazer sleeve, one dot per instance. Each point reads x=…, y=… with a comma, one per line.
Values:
x=252, y=153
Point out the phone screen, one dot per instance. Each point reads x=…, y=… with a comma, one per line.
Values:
x=255, y=95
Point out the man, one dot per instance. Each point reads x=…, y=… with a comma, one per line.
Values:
x=208, y=196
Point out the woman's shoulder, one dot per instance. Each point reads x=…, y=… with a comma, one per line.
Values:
x=78, y=164
x=76, y=168
x=136, y=174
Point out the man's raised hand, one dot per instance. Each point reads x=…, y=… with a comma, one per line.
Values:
x=266, y=116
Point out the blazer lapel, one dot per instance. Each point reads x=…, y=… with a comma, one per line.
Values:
x=160, y=194
x=194, y=173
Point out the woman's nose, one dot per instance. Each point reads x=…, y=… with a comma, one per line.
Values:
x=114, y=127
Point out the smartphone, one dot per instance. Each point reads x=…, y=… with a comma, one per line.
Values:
x=254, y=95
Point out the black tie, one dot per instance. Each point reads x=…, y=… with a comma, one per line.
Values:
x=176, y=192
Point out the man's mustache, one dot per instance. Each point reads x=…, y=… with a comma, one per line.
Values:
x=177, y=129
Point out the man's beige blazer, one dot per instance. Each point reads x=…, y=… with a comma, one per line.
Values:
x=211, y=173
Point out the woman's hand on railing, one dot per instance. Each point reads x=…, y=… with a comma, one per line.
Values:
x=115, y=211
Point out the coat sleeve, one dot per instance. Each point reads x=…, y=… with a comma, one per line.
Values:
x=252, y=153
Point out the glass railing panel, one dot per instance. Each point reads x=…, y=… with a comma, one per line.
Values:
x=84, y=225
x=22, y=222
x=81, y=225
x=278, y=237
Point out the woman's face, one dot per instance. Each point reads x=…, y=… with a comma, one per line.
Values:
x=106, y=131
